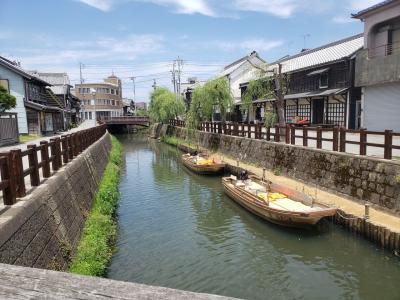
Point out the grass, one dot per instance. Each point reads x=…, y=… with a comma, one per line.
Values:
x=24, y=138
x=175, y=141
x=96, y=246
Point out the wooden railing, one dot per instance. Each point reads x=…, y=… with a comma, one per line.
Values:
x=290, y=135
x=53, y=155
x=8, y=129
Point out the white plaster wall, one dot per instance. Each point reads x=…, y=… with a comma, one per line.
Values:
x=17, y=89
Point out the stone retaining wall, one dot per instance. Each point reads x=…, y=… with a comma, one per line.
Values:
x=43, y=229
x=359, y=177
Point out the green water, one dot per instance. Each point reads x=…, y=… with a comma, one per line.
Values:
x=179, y=230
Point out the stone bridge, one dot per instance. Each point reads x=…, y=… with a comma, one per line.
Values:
x=126, y=120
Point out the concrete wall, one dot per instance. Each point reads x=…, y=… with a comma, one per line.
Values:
x=17, y=89
x=43, y=229
x=360, y=178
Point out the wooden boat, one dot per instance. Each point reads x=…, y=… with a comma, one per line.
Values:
x=276, y=203
x=202, y=164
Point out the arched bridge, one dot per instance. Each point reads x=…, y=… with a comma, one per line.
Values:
x=126, y=120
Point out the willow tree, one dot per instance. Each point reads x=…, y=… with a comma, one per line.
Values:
x=165, y=105
x=214, y=95
x=270, y=84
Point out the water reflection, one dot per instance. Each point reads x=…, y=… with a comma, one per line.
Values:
x=178, y=229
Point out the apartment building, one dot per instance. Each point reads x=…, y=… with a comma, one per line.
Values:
x=102, y=99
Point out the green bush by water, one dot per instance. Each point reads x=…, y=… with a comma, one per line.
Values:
x=96, y=246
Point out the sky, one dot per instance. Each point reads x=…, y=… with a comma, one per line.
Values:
x=141, y=38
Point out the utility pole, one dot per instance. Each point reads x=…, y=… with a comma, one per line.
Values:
x=180, y=64
x=173, y=76
x=154, y=84
x=81, y=66
x=134, y=92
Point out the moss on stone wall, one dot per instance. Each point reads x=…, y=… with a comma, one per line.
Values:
x=95, y=248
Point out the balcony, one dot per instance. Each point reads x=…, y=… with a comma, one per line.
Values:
x=379, y=65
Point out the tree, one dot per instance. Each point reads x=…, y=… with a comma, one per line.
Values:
x=7, y=101
x=268, y=85
x=214, y=95
x=165, y=105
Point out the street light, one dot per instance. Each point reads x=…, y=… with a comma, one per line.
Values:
x=93, y=91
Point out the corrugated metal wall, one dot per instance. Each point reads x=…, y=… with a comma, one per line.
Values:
x=382, y=107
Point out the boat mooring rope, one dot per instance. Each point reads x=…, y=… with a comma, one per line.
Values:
x=346, y=218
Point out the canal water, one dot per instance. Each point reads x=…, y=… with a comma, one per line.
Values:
x=179, y=230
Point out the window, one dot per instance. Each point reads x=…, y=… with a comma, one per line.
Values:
x=4, y=84
x=112, y=91
x=323, y=80
x=112, y=102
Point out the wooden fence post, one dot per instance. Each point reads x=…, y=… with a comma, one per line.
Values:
x=305, y=136
x=64, y=143
x=319, y=137
x=220, y=128
x=293, y=135
x=235, y=129
x=17, y=171
x=363, y=141
x=33, y=164
x=287, y=134
x=45, y=159
x=335, y=139
x=9, y=193
x=53, y=148
x=388, y=144
x=277, y=136
x=249, y=130
x=342, y=140
x=268, y=133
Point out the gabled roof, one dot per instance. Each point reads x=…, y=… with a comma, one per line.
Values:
x=363, y=12
x=253, y=58
x=17, y=69
x=332, y=52
x=52, y=78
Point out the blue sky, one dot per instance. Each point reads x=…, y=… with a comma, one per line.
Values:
x=142, y=37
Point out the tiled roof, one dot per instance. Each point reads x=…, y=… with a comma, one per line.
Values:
x=252, y=58
x=319, y=56
x=371, y=8
x=17, y=69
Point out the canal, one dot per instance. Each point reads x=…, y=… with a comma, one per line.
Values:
x=179, y=230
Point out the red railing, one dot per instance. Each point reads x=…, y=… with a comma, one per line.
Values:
x=291, y=135
x=62, y=150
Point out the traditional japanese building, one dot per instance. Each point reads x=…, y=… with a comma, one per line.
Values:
x=320, y=85
x=39, y=109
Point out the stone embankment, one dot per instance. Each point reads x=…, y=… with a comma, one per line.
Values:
x=344, y=180
x=43, y=229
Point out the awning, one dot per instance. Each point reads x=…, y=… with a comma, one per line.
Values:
x=41, y=107
x=317, y=72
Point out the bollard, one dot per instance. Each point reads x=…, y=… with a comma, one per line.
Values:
x=263, y=178
x=367, y=206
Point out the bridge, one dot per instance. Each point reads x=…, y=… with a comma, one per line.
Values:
x=126, y=120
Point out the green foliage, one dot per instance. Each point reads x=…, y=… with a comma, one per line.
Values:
x=277, y=171
x=215, y=94
x=95, y=248
x=7, y=101
x=271, y=119
x=142, y=112
x=165, y=105
x=257, y=89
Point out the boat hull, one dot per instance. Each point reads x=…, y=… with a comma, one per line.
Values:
x=283, y=218
x=203, y=169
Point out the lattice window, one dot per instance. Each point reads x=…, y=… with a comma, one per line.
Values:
x=336, y=113
x=304, y=111
x=290, y=113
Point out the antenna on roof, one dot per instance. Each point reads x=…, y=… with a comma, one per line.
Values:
x=307, y=35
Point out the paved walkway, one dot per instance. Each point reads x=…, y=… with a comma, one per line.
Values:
x=351, y=207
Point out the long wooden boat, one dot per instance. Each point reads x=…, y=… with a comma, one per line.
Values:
x=202, y=164
x=276, y=203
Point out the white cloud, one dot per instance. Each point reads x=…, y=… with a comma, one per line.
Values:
x=103, y=5
x=256, y=44
x=280, y=8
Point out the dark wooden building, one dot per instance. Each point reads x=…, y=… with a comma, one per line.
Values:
x=321, y=86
